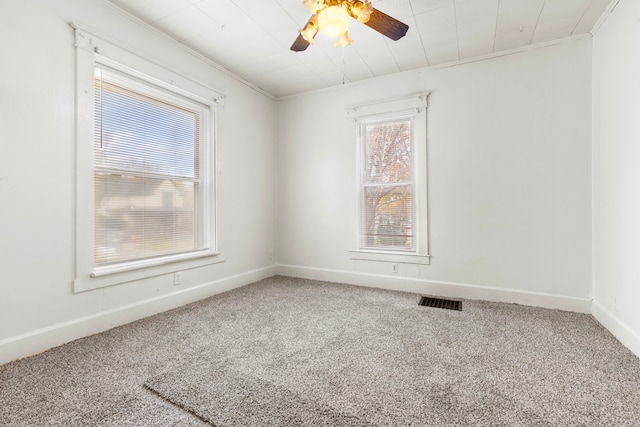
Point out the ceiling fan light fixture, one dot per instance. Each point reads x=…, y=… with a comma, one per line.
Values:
x=333, y=21
x=361, y=10
x=314, y=6
x=310, y=30
x=344, y=40
x=331, y=17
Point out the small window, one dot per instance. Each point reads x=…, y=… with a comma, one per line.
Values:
x=392, y=180
x=387, y=187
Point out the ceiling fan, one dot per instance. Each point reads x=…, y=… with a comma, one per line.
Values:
x=331, y=17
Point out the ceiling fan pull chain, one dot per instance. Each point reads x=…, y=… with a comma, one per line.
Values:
x=344, y=65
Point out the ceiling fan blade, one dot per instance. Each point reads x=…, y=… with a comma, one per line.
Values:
x=386, y=25
x=300, y=44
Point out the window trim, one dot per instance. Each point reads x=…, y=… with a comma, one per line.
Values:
x=415, y=108
x=92, y=50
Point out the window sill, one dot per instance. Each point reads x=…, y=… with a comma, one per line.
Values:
x=129, y=272
x=388, y=256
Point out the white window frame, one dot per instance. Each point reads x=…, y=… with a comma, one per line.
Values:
x=412, y=107
x=92, y=50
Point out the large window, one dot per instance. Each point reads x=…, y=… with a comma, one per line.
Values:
x=147, y=172
x=392, y=180
x=145, y=167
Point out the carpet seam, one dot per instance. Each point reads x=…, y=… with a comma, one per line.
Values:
x=177, y=405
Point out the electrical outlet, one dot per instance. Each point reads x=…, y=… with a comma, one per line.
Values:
x=177, y=278
x=394, y=268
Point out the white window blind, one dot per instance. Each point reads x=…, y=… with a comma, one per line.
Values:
x=147, y=172
x=387, y=212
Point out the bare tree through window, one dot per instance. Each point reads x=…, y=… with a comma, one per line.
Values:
x=387, y=187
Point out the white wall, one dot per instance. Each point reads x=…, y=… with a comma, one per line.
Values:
x=37, y=171
x=509, y=180
x=616, y=173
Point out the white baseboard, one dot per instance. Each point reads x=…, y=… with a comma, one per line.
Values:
x=43, y=339
x=440, y=288
x=627, y=336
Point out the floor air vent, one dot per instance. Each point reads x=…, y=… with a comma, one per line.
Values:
x=447, y=304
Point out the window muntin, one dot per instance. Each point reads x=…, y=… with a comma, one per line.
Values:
x=148, y=172
x=387, y=208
